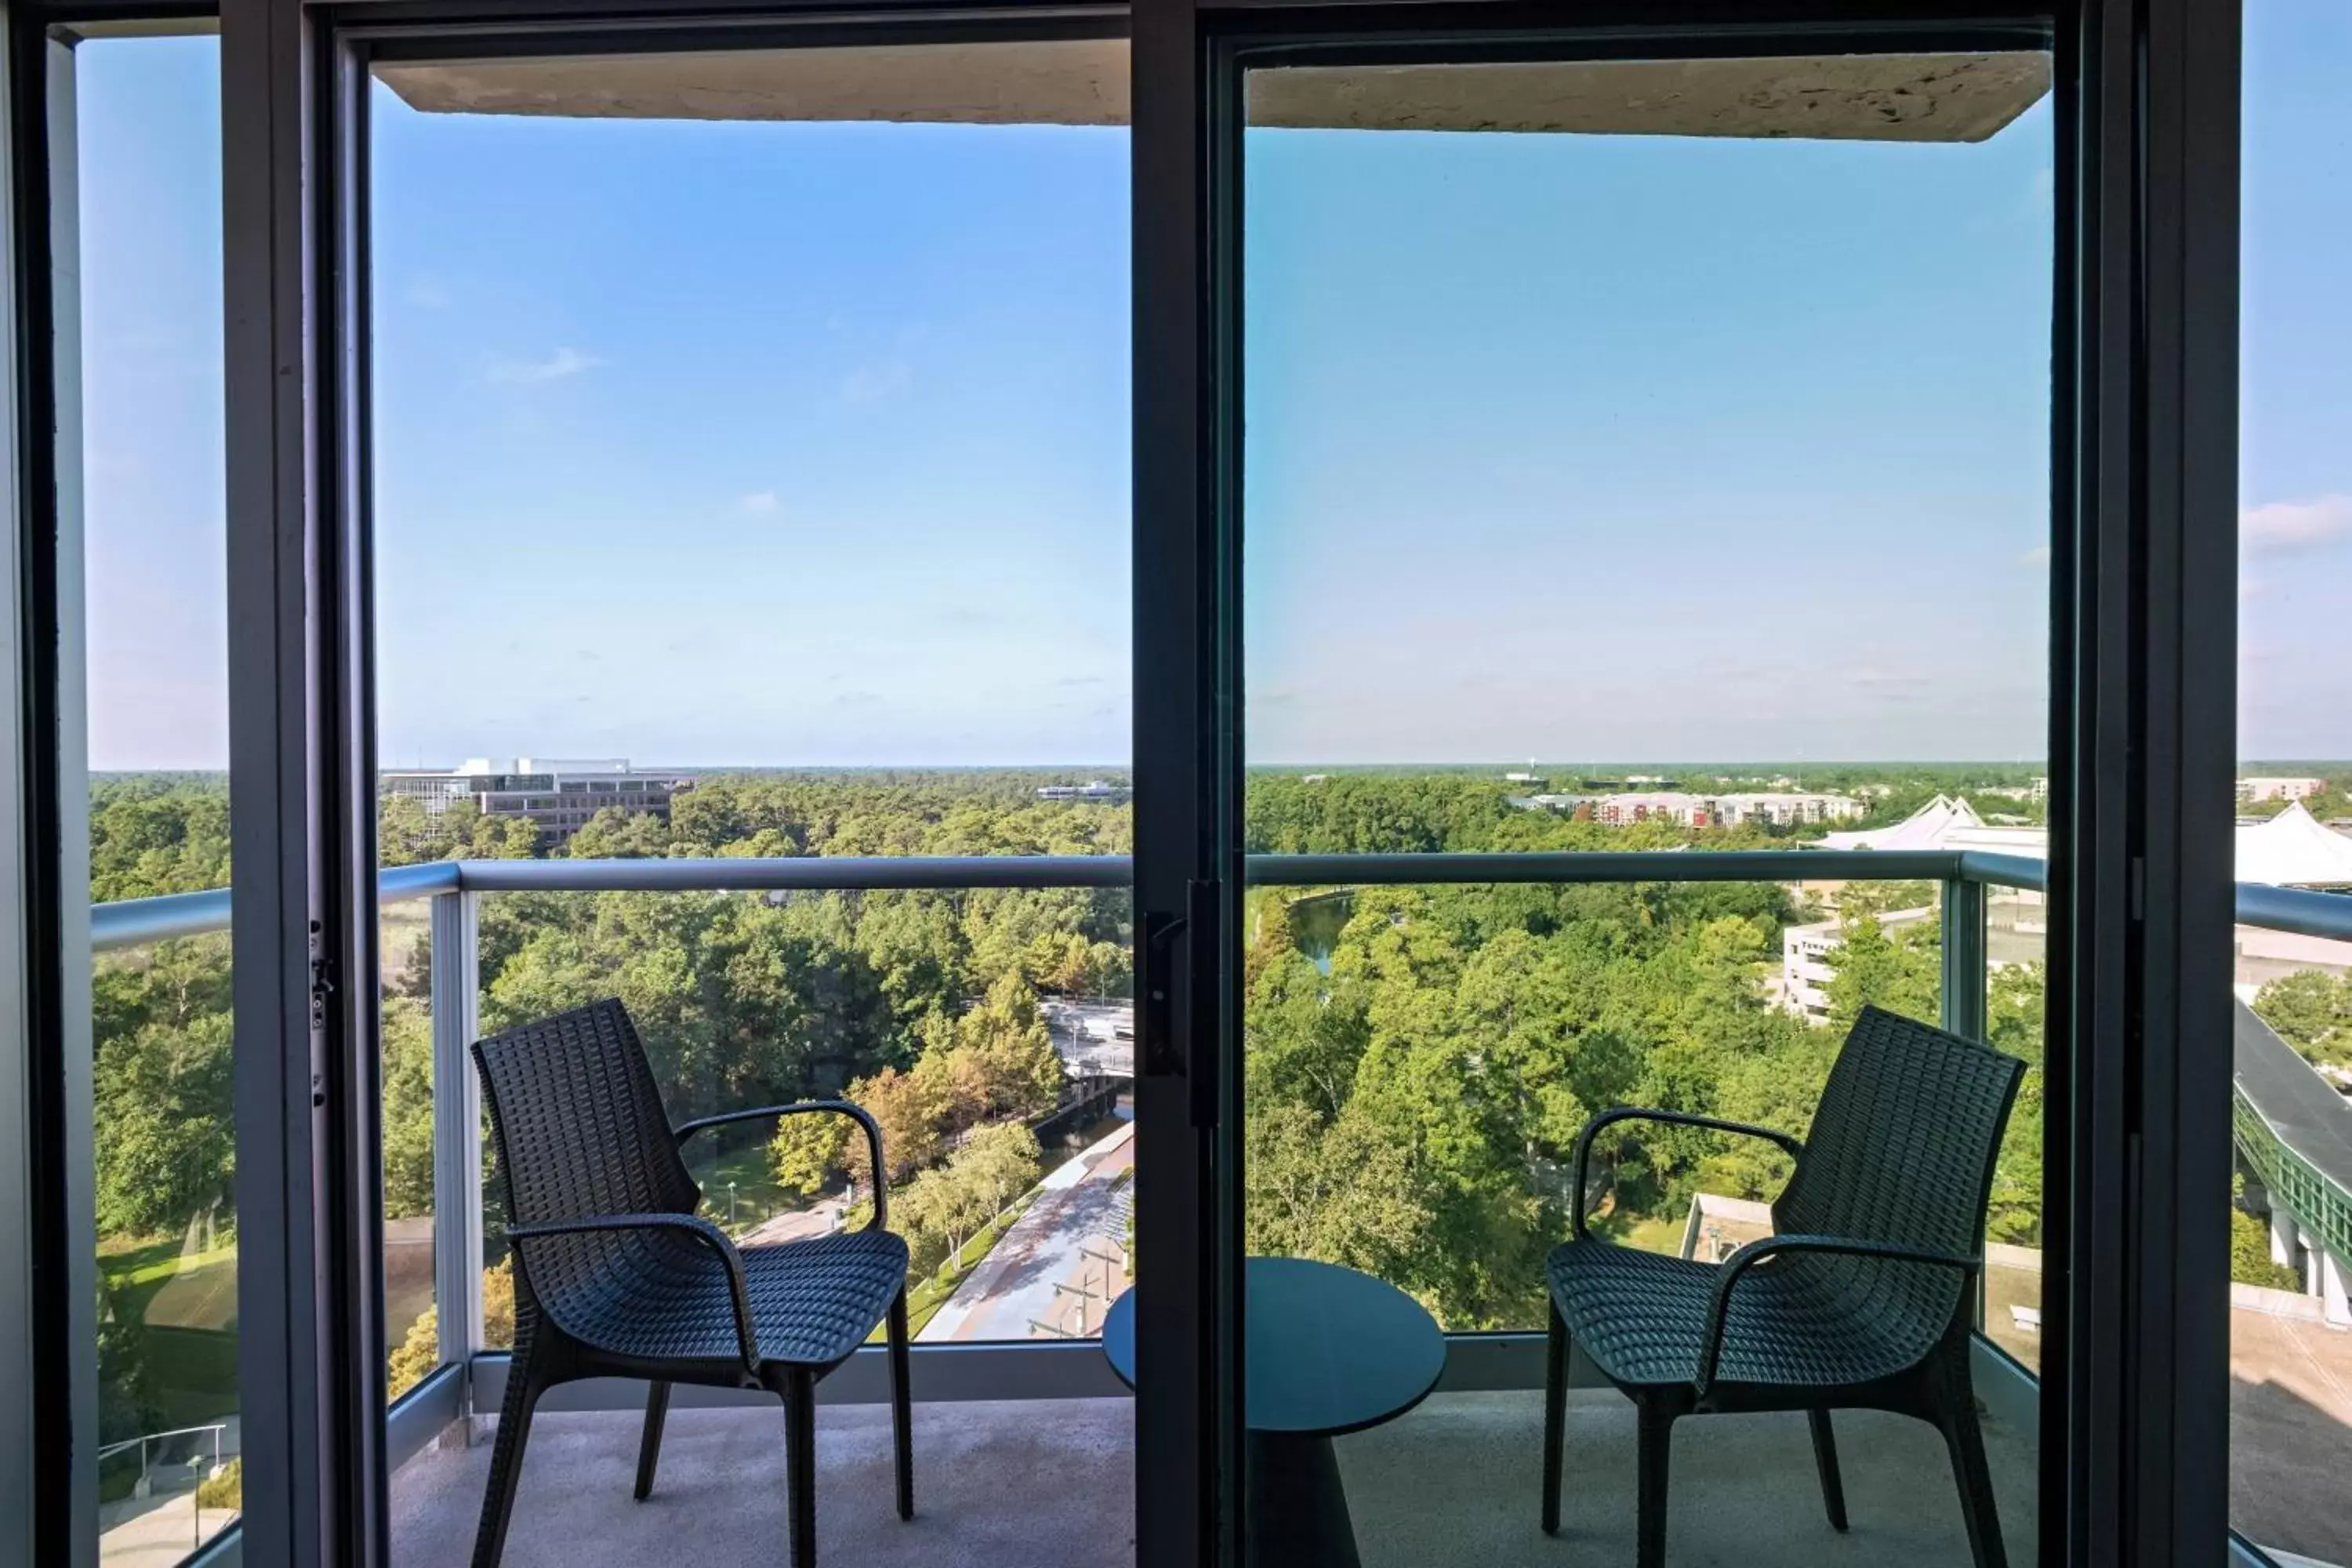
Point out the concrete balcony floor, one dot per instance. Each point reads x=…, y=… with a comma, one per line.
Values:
x=1048, y=1484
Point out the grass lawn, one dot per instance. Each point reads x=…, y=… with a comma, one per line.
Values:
x=757, y=1196
x=1642, y=1234
x=186, y=1304
x=926, y=1297
x=127, y=1263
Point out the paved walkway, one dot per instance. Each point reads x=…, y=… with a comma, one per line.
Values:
x=2291, y=1434
x=822, y=1217
x=1082, y=1209
x=161, y=1535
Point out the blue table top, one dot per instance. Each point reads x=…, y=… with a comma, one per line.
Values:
x=1330, y=1350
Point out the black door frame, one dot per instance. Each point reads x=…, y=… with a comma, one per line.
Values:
x=2143, y=609
x=296, y=81
x=2142, y=665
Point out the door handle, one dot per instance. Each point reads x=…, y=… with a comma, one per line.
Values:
x=1156, y=979
x=1161, y=977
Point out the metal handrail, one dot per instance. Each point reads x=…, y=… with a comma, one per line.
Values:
x=134, y=923
x=796, y=873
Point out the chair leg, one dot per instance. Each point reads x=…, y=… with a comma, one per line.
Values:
x=524, y=1386
x=1825, y=1459
x=902, y=1415
x=649, y=1446
x=800, y=1462
x=1656, y=1426
x=1964, y=1437
x=1555, y=1417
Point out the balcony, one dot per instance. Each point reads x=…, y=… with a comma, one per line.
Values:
x=1048, y=1484
x=1023, y=1438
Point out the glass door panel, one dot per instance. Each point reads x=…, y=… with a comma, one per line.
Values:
x=749, y=490
x=1648, y=458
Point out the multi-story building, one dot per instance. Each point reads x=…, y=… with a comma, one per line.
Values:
x=559, y=794
x=1777, y=810
x=1806, y=967
x=1785, y=810
x=1094, y=790
x=2261, y=789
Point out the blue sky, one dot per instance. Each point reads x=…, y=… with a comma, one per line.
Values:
x=808, y=443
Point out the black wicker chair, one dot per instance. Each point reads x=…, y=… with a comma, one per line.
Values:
x=1860, y=1301
x=615, y=1275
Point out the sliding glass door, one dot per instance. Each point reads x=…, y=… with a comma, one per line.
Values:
x=1214, y=615
x=1668, y=580
x=746, y=494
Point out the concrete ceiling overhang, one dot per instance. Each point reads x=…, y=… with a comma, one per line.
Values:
x=1881, y=98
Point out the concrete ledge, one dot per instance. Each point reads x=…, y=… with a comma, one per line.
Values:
x=2277, y=1303
x=1084, y=81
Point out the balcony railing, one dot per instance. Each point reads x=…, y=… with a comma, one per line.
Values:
x=472, y=1375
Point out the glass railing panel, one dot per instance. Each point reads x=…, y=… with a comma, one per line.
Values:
x=2017, y=935
x=1419, y=1060
x=990, y=1032
x=411, y=1325
x=165, y=1156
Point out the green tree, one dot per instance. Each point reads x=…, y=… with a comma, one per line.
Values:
x=1000, y=1160
x=2312, y=1011
x=2014, y=1001
x=163, y=1091
x=807, y=1152
x=2250, y=1246
x=908, y=1109
x=1891, y=967
x=1018, y=1072
x=407, y=1036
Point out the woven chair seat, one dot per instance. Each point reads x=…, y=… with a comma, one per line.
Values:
x=1642, y=1317
x=616, y=1276
x=1860, y=1298
x=664, y=1297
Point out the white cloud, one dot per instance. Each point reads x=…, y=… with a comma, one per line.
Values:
x=2253, y=588
x=2037, y=556
x=760, y=503
x=873, y=383
x=556, y=366
x=2284, y=526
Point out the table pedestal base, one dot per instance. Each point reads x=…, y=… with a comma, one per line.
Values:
x=1297, y=1510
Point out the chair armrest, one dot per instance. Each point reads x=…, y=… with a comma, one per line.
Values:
x=1735, y=1269
x=1788, y=1141
x=702, y=1230
x=856, y=1114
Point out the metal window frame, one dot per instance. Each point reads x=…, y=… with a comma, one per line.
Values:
x=2140, y=599
x=2142, y=746
x=2142, y=677
x=295, y=103
x=51, y=1295
x=22, y=1335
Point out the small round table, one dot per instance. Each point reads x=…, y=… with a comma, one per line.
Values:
x=1328, y=1350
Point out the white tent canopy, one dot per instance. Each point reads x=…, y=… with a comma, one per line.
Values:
x=1923, y=829
x=2293, y=850
x=2289, y=850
